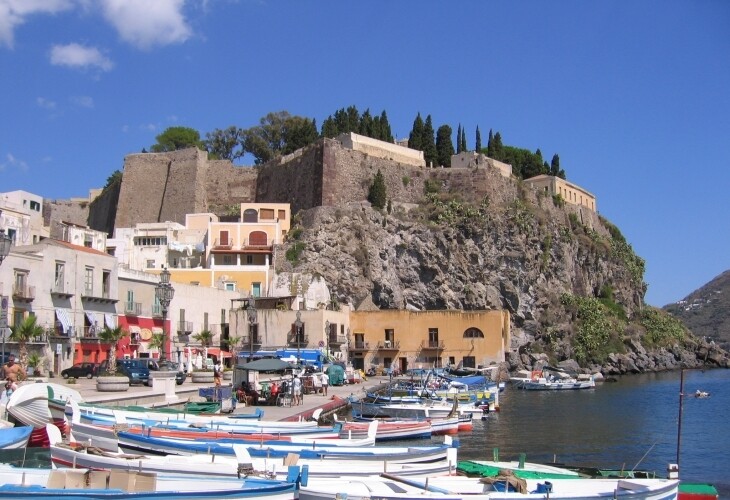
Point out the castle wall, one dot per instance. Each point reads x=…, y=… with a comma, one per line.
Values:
x=103, y=210
x=381, y=149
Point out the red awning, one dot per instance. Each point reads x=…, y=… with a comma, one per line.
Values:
x=214, y=351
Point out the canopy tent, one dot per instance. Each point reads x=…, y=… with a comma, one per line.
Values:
x=265, y=365
x=214, y=351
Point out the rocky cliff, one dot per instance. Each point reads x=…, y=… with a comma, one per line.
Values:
x=549, y=263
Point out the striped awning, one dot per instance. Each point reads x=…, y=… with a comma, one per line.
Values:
x=110, y=320
x=64, y=316
x=91, y=316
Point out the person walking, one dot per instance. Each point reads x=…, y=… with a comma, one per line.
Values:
x=297, y=387
x=217, y=373
x=325, y=383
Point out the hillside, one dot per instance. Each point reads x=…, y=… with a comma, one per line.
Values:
x=573, y=285
x=706, y=311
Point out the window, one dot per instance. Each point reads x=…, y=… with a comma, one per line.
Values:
x=433, y=335
x=282, y=214
x=223, y=238
x=469, y=362
x=250, y=215
x=34, y=205
x=89, y=281
x=150, y=241
x=228, y=260
x=231, y=287
x=249, y=259
x=266, y=214
x=106, y=280
x=473, y=333
x=389, y=337
x=150, y=264
x=256, y=289
x=59, y=280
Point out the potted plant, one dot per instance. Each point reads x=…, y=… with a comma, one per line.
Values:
x=204, y=375
x=35, y=361
x=109, y=381
x=22, y=333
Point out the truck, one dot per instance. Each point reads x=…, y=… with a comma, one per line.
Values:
x=315, y=358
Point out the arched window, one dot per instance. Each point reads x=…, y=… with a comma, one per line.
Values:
x=250, y=215
x=258, y=238
x=473, y=333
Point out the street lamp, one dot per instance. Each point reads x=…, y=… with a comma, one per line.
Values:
x=327, y=336
x=164, y=292
x=298, y=324
x=5, y=241
x=251, y=315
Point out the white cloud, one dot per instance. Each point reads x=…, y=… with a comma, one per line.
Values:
x=77, y=56
x=146, y=24
x=12, y=162
x=150, y=127
x=83, y=101
x=44, y=103
x=13, y=13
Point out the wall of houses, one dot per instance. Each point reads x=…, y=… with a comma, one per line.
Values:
x=424, y=339
x=571, y=193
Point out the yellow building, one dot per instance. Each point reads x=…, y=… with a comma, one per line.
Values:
x=571, y=193
x=426, y=339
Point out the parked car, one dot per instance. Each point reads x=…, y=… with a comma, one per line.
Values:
x=135, y=370
x=88, y=370
x=170, y=366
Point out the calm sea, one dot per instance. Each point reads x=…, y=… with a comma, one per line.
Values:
x=631, y=423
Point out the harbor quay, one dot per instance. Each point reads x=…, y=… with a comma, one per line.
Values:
x=152, y=397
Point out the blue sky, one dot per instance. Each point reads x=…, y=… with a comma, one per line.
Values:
x=634, y=96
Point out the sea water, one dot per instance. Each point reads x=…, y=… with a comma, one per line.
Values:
x=632, y=423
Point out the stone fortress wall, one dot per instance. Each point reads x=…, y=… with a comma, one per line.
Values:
x=160, y=187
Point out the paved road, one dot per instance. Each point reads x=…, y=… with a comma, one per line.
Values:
x=142, y=395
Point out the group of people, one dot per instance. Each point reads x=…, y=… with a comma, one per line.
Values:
x=293, y=387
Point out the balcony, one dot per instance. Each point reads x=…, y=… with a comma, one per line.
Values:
x=336, y=340
x=59, y=290
x=24, y=292
x=222, y=244
x=91, y=332
x=295, y=340
x=184, y=327
x=360, y=346
x=388, y=345
x=253, y=342
x=156, y=310
x=133, y=308
x=182, y=339
x=104, y=298
x=432, y=345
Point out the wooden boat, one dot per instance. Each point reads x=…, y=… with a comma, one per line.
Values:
x=425, y=410
x=550, y=379
x=102, y=452
x=15, y=437
x=28, y=406
x=79, y=484
x=388, y=430
x=452, y=487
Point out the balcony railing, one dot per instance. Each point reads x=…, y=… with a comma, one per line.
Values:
x=23, y=292
x=91, y=332
x=184, y=327
x=385, y=345
x=360, y=346
x=295, y=340
x=223, y=244
x=182, y=339
x=248, y=341
x=336, y=340
x=157, y=310
x=433, y=345
x=133, y=308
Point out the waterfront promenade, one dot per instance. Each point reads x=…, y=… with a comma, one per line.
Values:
x=148, y=396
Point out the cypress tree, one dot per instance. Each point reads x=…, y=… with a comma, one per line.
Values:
x=555, y=165
x=490, y=145
x=415, y=139
x=386, y=134
x=463, y=140
x=377, y=194
x=458, y=140
x=365, y=127
x=444, y=146
x=429, y=144
x=478, y=143
x=497, y=146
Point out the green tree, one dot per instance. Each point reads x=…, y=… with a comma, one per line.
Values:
x=298, y=133
x=34, y=361
x=458, y=140
x=159, y=342
x=377, y=195
x=205, y=337
x=386, y=134
x=478, y=141
x=415, y=139
x=278, y=133
x=112, y=336
x=329, y=128
x=555, y=167
x=22, y=333
x=495, y=147
x=429, y=144
x=365, y=127
x=175, y=138
x=463, y=140
x=444, y=146
x=114, y=178
x=225, y=144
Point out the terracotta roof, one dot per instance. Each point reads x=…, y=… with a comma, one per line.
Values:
x=76, y=247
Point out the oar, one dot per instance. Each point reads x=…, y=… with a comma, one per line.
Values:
x=416, y=484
